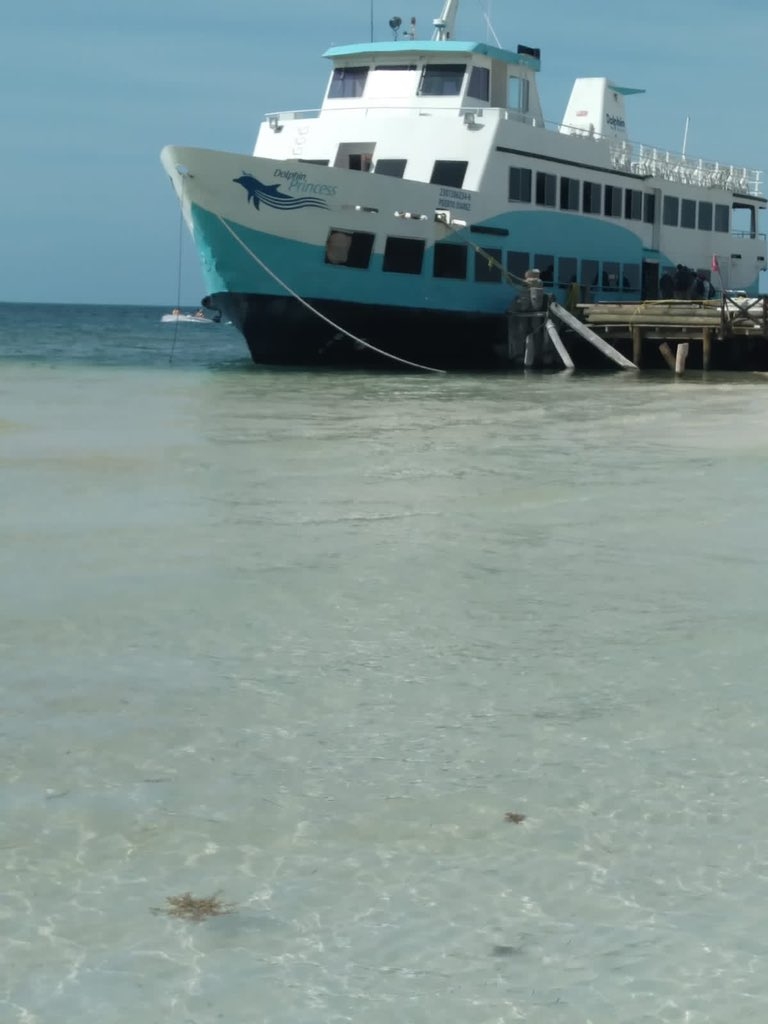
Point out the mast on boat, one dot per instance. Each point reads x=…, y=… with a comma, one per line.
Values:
x=444, y=24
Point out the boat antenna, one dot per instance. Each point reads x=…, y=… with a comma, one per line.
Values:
x=485, y=9
x=371, y=20
x=685, y=135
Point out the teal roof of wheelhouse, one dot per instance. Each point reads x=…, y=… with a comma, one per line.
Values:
x=431, y=46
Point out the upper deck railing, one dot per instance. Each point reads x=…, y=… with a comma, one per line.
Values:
x=650, y=161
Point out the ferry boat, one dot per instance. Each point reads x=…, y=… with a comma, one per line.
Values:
x=399, y=220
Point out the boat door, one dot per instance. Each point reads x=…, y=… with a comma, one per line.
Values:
x=355, y=156
x=650, y=283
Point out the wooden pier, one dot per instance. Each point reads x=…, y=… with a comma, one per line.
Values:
x=727, y=334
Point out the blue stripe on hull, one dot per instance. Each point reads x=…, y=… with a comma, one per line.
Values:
x=228, y=267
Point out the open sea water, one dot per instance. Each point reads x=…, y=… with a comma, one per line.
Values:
x=301, y=641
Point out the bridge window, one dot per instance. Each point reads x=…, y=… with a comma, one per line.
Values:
x=688, y=213
x=722, y=217
x=546, y=189
x=449, y=172
x=592, y=197
x=403, y=255
x=442, y=79
x=488, y=266
x=671, y=214
x=479, y=84
x=450, y=261
x=518, y=94
x=519, y=185
x=347, y=83
x=349, y=248
x=705, y=216
x=392, y=168
x=649, y=208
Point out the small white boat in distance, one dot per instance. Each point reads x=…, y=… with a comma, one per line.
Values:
x=177, y=317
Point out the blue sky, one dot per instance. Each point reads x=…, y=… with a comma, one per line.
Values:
x=91, y=91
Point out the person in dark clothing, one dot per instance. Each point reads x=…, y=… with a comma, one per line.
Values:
x=684, y=279
x=666, y=285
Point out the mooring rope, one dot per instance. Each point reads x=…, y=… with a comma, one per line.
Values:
x=178, y=271
x=317, y=313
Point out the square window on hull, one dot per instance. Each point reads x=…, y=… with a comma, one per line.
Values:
x=518, y=263
x=450, y=261
x=403, y=256
x=488, y=266
x=349, y=248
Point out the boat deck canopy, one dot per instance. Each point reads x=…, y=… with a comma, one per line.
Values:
x=427, y=47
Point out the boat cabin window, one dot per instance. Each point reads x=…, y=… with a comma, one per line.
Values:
x=590, y=270
x=520, y=185
x=611, y=279
x=355, y=156
x=567, y=267
x=360, y=161
x=488, y=266
x=705, y=216
x=546, y=189
x=545, y=264
x=688, y=213
x=442, y=79
x=347, y=83
x=649, y=208
x=671, y=214
x=592, y=197
x=392, y=168
x=349, y=248
x=633, y=204
x=479, y=87
x=518, y=263
x=722, y=217
x=403, y=255
x=569, y=193
x=450, y=261
x=518, y=93
x=612, y=207
x=630, y=281
x=449, y=172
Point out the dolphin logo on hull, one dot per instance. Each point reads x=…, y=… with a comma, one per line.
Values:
x=270, y=195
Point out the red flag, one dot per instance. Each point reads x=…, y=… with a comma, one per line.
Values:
x=715, y=265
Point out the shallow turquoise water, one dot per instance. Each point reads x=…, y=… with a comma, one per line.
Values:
x=305, y=639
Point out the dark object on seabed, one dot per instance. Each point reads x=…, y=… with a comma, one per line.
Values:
x=191, y=908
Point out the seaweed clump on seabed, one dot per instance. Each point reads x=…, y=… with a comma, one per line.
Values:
x=192, y=908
